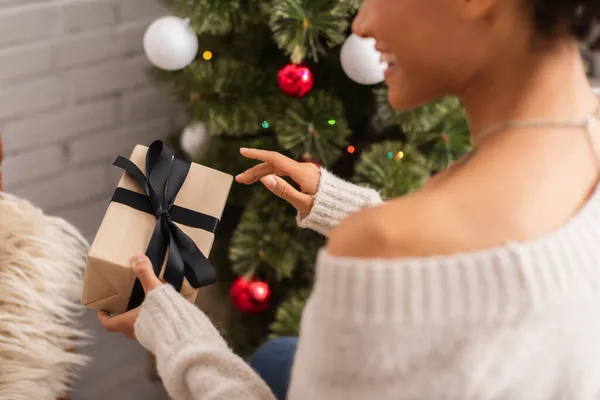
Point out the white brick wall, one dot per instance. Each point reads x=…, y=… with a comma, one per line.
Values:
x=74, y=93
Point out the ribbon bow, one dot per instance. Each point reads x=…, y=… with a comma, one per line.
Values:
x=164, y=178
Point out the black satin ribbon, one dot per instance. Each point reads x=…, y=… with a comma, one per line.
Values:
x=163, y=180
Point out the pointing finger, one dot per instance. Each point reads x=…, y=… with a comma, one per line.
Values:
x=281, y=163
x=255, y=173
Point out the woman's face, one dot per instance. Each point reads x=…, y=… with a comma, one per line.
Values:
x=434, y=47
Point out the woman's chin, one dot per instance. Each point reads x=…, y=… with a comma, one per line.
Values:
x=404, y=97
x=401, y=100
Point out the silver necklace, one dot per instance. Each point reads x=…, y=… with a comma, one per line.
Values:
x=587, y=124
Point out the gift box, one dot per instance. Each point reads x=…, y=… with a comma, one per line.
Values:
x=166, y=208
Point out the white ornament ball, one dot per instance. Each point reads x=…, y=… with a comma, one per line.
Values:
x=170, y=43
x=192, y=138
x=361, y=62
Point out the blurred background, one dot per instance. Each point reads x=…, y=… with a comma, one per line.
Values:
x=79, y=85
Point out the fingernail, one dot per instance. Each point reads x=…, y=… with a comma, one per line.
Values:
x=243, y=148
x=269, y=181
x=137, y=259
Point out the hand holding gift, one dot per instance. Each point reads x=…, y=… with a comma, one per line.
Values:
x=125, y=323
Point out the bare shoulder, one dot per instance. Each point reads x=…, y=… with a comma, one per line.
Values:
x=420, y=224
x=486, y=202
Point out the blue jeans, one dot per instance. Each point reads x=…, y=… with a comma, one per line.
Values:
x=273, y=362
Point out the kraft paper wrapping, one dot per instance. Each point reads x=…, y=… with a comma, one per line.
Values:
x=125, y=232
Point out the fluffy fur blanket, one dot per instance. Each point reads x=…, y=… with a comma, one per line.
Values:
x=41, y=268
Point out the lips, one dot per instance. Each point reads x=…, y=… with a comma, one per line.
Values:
x=388, y=58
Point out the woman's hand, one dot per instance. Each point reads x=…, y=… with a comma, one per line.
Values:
x=273, y=166
x=125, y=323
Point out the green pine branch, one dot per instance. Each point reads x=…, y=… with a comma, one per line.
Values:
x=314, y=124
x=418, y=120
x=307, y=28
x=223, y=154
x=393, y=168
x=243, y=48
x=268, y=242
x=218, y=17
x=288, y=315
x=352, y=5
x=451, y=139
x=440, y=128
x=228, y=96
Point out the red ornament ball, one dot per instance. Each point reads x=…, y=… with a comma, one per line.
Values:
x=250, y=295
x=295, y=80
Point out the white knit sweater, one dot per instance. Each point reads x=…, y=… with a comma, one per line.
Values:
x=519, y=322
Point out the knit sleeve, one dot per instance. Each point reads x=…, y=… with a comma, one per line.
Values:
x=192, y=358
x=335, y=200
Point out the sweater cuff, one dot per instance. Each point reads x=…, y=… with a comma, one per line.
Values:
x=166, y=318
x=335, y=200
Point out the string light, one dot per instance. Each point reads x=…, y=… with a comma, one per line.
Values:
x=265, y=124
x=331, y=122
x=351, y=149
x=207, y=55
x=398, y=156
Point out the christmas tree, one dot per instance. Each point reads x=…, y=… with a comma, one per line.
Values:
x=288, y=76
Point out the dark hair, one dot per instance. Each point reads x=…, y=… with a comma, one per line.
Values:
x=558, y=17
